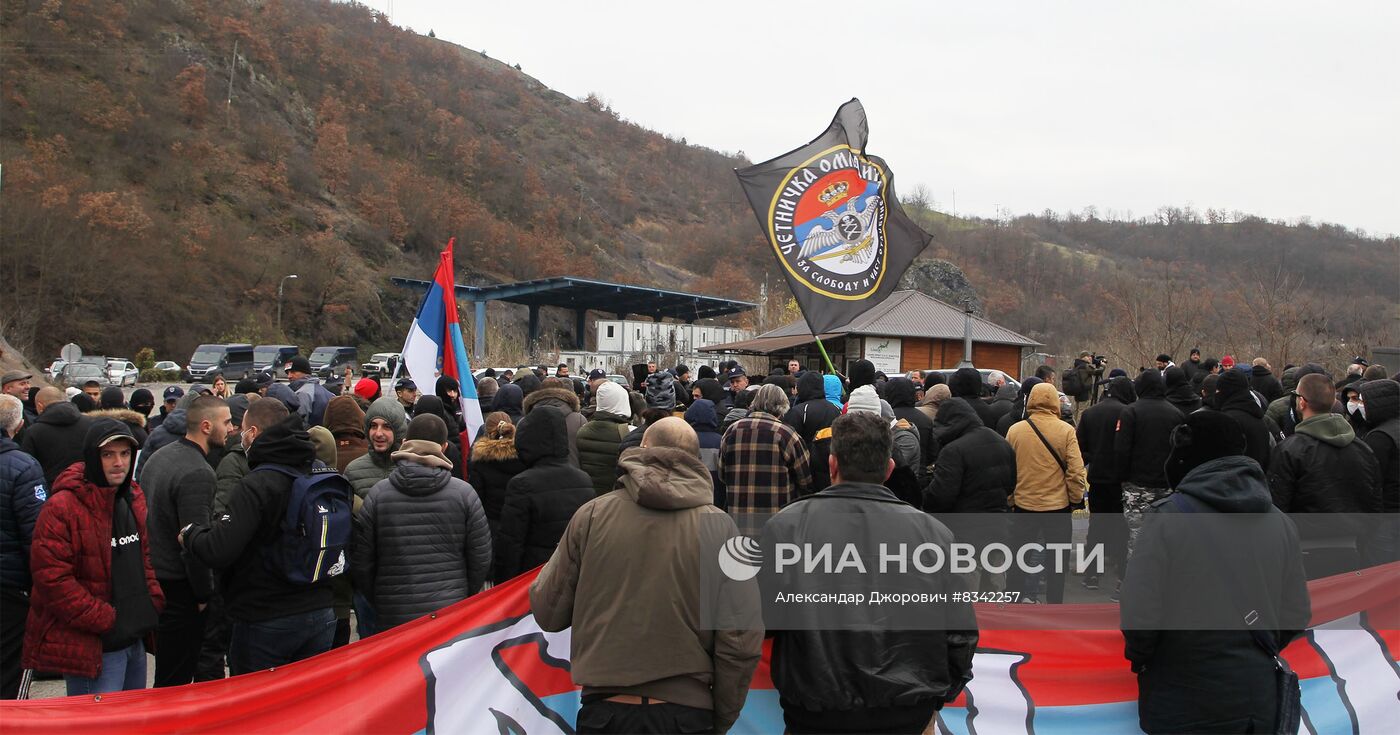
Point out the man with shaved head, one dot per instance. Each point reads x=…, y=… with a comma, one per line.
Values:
x=56, y=438
x=639, y=650
x=1323, y=469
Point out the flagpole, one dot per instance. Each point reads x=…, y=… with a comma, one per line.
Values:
x=825, y=356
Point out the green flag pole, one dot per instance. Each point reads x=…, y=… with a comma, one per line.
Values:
x=825, y=356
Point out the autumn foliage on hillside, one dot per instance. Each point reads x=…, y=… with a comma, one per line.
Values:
x=167, y=163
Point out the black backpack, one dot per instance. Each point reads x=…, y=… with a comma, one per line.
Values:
x=1071, y=382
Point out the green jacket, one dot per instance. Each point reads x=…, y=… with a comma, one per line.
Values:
x=598, y=442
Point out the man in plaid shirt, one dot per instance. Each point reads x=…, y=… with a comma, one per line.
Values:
x=762, y=460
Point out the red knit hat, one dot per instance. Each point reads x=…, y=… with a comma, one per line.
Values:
x=366, y=388
x=1227, y=362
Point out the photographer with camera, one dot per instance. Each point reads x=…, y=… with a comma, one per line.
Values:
x=1080, y=381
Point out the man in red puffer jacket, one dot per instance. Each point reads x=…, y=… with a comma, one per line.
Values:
x=95, y=595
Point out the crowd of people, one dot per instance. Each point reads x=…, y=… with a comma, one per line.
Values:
x=127, y=528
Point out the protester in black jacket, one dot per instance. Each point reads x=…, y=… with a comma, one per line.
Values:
x=1322, y=469
x=900, y=394
x=1018, y=409
x=1204, y=573
x=873, y=678
x=179, y=485
x=1381, y=404
x=975, y=474
x=421, y=539
x=1234, y=398
x=1096, y=432
x=812, y=413
x=1263, y=382
x=1003, y=401
x=1178, y=390
x=22, y=495
x=56, y=438
x=1142, y=443
x=275, y=621
x=966, y=384
x=493, y=464
x=541, y=500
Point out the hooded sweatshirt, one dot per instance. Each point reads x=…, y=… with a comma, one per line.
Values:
x=1040, y=483
x=635, y=631
x=508, y=400
x=1383, y=437
x=831, y=387
x=1143, y=440
x=346, y=422
x=702, y=418
x=900, y=394
x=1098, y=427
x=1179, y=392
x=374, y=466
x=966, y=383
x=813, y=413
x=1219, y=566
x=564, y=400
x=94, y=589
x=540, y=500
x=421, y=538
x=1234, y=399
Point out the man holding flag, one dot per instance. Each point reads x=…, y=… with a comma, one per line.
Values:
x=434, y=349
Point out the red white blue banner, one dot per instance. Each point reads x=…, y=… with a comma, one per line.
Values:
x=483, y=666
x=434, y=347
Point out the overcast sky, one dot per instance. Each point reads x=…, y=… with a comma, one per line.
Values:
x=1280, y=109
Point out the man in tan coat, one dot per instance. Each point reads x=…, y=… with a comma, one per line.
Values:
x=1049, y=487
x=627, y=577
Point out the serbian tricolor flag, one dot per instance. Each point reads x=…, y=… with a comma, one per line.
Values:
x=434, y=348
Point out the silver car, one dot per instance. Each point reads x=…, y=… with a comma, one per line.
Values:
x=122, y=373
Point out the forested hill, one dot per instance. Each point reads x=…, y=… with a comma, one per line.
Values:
x=166, y=163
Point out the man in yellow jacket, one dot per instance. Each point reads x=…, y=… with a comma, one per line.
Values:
x=1049, y=486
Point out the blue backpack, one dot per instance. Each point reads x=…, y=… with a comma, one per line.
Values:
x=315, y=530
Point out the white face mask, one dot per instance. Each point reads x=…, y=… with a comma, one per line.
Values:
x=1357, y=408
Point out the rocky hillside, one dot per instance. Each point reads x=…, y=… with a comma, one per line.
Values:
x=167, y=162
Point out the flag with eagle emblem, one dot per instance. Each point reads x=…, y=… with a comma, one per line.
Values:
x=829, y=211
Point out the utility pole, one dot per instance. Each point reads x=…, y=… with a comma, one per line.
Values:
x=228, y=103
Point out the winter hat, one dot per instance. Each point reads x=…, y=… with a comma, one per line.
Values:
x=706, y=371
x=299, y=364
x=367, y=388
x=486, y=388
x=1117, y=373
x=864, y=398
x=1205, y=436
x=84, y=402
x=1229, y=383
x=142, y=401
x=1227, y=362
x=246, y=385
x=427, y=427
x=237, y=406
x=862, y=373
x=324, y=441
x=422, y=451
x=71, y=391
x=112, y=398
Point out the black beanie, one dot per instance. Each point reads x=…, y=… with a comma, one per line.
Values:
x=1205, y=436
x=112, y=397
x=1229, y=383
x=246, y=385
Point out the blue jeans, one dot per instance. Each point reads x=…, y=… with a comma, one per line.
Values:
x=364, y=616
x=280, y=641
x=121, y=670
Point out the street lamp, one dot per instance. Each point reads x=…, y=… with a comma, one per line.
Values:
x=280, y=284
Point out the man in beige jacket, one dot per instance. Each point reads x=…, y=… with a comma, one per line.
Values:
x=627, y=577
x=1049, y=486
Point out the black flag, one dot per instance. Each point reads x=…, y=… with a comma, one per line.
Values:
x=829, y=211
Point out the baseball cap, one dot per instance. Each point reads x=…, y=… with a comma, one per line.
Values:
x=596, y=374
x=14, y=375
x=1358, y=360
x=299, y=364
x=405, y=384
x=737, y=372
x=174, y=393
x=262, y=379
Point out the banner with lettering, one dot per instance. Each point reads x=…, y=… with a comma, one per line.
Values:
x=483, y=665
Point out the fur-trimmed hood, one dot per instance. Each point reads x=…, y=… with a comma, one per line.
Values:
x=124, y=415
x=560, y=398
x=494, y=450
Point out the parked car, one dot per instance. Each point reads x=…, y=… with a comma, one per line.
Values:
x=273, y=359
x=234, y=362
x=328, y=360
x=477, y=373
x=122, y=372
x=76, y=373
x=55, y=368
x=168, y=366
x=620, y=380
x=381, y=365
